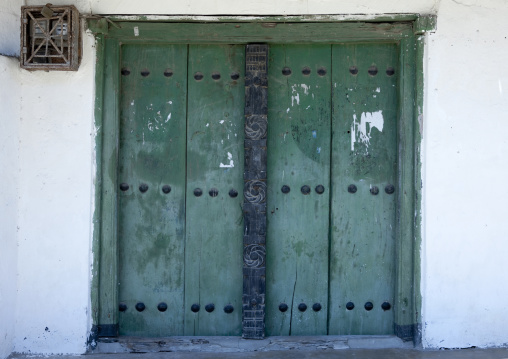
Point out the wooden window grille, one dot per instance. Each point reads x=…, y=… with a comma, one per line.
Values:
x=50, y=38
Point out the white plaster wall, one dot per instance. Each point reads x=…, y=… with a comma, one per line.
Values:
x=55, y=185
x=466, y=168
x=464, y=144
x=9, y=130
x=10, y=11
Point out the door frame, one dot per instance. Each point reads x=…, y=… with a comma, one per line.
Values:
x=407, y=31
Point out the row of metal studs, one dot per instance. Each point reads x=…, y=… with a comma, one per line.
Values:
x=286, y=71
x=162, y=307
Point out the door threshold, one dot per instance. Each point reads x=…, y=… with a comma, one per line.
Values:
x=238, y=344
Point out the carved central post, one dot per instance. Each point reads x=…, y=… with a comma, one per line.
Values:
x=254, y=205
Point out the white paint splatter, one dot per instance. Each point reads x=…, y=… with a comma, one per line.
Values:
x=378, y=89
x=297, y=98
x=231, y=163
x=207, y=124
x=221, y=122
x=307, y=107
x=305, y=88
x=287, y=111
x=318, y=150
x=361, y=132
x=169, y=117
x=136, y=31
x=170, y=102
x=132, y=103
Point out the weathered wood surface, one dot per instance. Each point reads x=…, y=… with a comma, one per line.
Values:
x=152, y=147
x=364, y=155
x=298, y=156
x=271, y=33
x=214, y=225
x=254, y=193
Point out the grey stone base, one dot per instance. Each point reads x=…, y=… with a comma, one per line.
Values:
x=237, y=344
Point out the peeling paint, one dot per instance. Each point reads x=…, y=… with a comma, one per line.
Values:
x=231, y=162
x=361, y=132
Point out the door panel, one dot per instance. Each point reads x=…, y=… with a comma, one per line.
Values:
x=299, y=113
x=151, y=222
x=332, y=140
x=214, y=222
x=364, y=158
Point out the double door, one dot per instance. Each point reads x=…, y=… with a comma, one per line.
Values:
x=331, y=191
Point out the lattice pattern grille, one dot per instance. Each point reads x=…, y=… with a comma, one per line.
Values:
x=50, y=38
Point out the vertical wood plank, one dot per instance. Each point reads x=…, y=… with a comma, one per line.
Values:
x=108, y=273
x=97, y=214
x=298, y=156
x=151, y=189
x=254, y=206
x=364, y=170
x=213, y=253
x=405, y=315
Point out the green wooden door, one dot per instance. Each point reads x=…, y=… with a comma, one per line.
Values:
x=179, y=175
x=332, y=159
x=331, y=176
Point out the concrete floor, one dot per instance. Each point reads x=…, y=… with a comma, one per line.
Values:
x=499, y=353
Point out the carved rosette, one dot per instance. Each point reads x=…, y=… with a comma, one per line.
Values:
x=255, y=127
x=254, y=256
x=255, y=191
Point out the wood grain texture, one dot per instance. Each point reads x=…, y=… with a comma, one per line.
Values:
x=214, y=225
x=242, y=33
x=151, y=233
x=298, y=155
x=364, y=154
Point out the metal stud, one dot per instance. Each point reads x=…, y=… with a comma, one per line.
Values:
x=143, y=187
x=372, y=70
x=214, y=192
x=353, y=70
x=321, y=71
x=233, y=193
x=285, y=189
x=228, y=309
x=125, y=71
x=216, y=75
x=352, y=188
x=283, y=307
x=320, y=189
x=368, y=306
x=350, y=305
x=306, y=70
x=122, y=307
x=210, y=307
x=390, y=189
x=286, y=71
x=253, y=302
x=198, y=192
x=124, y=186
x=305, y=189
x=140, y=306
x=386, y=306
x=390, y=71
x=195, y=308
x=162, y=307
x=235, y=76
x=198, y=76
x=145, y=72
x=316, y=307
x=302, y=307
x=168, y=73
x=374, y=190
x=166, y=188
